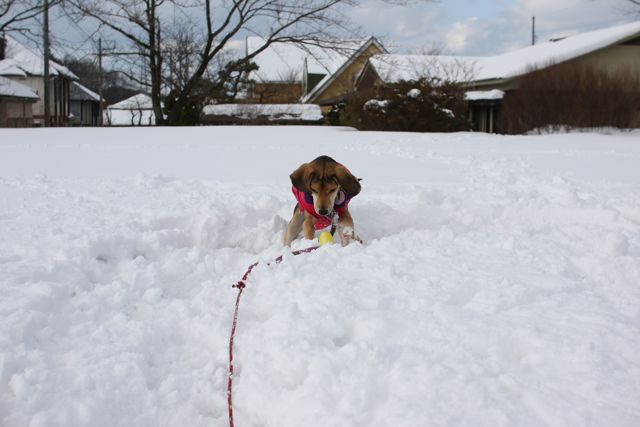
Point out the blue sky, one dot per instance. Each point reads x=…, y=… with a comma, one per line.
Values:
x=476, y=27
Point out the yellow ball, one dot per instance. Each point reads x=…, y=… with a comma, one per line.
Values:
x=325, y=237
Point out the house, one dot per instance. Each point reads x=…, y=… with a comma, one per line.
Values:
x=289, y=74
x=490, y=79
x=16, y=102
x=84, y=106
x=134, y=111
x=21, y=64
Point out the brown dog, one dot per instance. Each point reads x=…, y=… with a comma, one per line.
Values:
x=321, y=188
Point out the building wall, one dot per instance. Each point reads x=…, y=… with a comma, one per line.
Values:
x=58, y=99
x=85, y=113
x=15, y=113
x=610, y=59
x=614, y=58
x=276, y=93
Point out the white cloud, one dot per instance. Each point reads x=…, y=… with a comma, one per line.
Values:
x=497, y=29
x=457, y=37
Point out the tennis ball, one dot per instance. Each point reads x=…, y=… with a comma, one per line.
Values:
x=325, y=237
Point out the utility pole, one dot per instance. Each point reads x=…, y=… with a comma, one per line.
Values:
x=47, y=106
x=100, y=80
x=533, y=30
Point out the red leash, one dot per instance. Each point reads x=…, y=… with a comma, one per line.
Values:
x=241, y=285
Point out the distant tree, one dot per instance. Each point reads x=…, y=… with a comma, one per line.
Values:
x=86, y=70
x=115, y=87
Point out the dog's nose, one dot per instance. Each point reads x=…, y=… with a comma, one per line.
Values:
x=323, y=211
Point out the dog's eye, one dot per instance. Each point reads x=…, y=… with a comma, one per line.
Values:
x=314, y=191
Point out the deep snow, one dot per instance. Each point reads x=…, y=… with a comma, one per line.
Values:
x=498, y=283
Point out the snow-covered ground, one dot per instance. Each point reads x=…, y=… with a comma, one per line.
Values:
x=499, y=282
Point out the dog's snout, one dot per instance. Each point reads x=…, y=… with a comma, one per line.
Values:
x=323, y=211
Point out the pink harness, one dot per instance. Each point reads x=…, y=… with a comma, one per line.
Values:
x=305, y=201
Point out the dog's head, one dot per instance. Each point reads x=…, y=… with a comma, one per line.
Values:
x=323, y=178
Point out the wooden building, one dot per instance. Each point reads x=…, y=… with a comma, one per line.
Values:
x=16, y=101
x=25, y=65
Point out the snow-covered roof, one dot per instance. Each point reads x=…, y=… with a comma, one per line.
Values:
x=13, y=89
x=518, y=62
x=130, y=117
x=9, y=67
x=304, y=112
x=140, y=101
x=394, y=68
x=82, y=93
x=285, y=61
x=29, y=62
x=484, y=95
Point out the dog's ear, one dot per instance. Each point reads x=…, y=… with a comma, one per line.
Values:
x=349, y=183
x=301, y=177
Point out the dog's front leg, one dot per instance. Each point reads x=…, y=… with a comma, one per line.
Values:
x=294, y=227
x=308, y=226
x=346, y=230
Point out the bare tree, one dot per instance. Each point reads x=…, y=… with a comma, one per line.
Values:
x=15, y=13
x=145, y=23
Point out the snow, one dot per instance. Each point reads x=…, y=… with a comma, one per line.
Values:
x=518, y=62
x=414, y=93
x=497, y=286
x=140, y=101
x=394, y=68
x=484, y=95
x=376, y=104
x=9, y=67
x=305, y=112
x=31, y=62
x=85, y=90
x=11, y=88
x=285, y=61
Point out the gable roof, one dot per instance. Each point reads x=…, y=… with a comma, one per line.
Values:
x=516, y=63
x=12, y=89
x=330, y=78
x=78, y=92
x=285, y=62
x=18, y=57
x=394, y=68
x=140, y=101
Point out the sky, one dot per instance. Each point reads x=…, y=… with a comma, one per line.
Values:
x=480, y=28
x=455, y=27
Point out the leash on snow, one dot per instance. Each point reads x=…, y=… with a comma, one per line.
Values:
x=240, y=286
